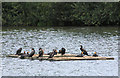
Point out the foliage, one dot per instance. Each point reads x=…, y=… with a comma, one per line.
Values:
x=60, y=14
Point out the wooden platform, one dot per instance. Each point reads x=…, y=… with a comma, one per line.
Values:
x=65, y=57
x=35, y=55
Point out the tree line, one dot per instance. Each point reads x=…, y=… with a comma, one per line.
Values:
x=60, y=13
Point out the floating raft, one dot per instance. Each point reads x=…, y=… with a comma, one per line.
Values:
x=65, y=57
x=45, y=55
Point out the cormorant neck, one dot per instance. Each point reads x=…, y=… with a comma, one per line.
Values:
x=81, y=47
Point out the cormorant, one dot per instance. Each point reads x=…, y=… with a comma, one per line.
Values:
x=41, y=52
x=62, y=51
x=32, y=53
x=18, y=52
x=95, y=54
x=24, y=55
x=52, y=53
x=83, y=50
x=55, y=51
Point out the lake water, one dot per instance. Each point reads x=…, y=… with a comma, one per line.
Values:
x=103, y=40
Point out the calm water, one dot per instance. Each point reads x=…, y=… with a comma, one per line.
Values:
x=102, y=40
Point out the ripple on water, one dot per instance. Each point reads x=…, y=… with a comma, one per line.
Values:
x=103, y=42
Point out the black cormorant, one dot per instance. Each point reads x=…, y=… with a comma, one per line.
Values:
x=41, y=52
x=83, y=50
x=52, y=53
x=24, y=55
x=62, y=51
x=18, y=52
x=32, y=53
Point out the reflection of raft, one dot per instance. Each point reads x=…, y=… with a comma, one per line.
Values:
x=65, y=57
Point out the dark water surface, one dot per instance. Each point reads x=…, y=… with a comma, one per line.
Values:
x=103, y=40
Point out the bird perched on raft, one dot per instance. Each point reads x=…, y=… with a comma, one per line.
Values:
x=24, y=55
x=95, y=54
x=62, y=51
x=18, y=52
x=83, y=50
x=32, y=53
x=52, y=53
x=41, y=52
